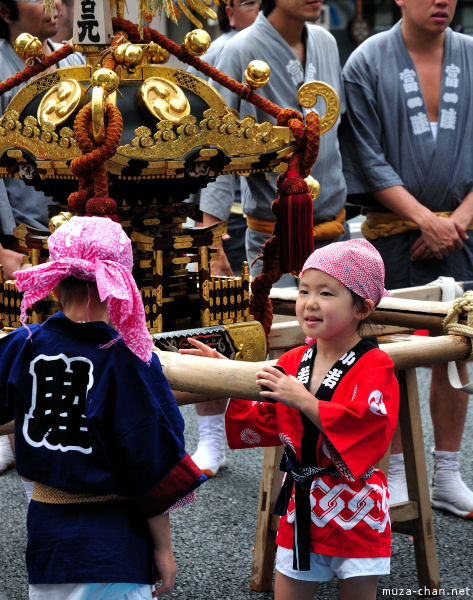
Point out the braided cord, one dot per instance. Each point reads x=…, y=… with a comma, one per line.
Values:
x=90, y=167
x=451, y=323
x=42, y=64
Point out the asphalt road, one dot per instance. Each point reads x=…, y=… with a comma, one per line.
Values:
x=213, y=538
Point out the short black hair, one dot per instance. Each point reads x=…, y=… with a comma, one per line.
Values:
x=223, y=22
x=267, y=6
x=12, y=7
x=73, y=288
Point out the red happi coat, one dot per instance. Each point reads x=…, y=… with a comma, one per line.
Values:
x=349, y=513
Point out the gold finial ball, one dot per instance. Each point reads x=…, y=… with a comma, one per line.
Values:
x=313, y=185
x=58, y=220
x=156, y=54
x=257, y=73
x=197, y=42
x=106, y=79
x=27, y=46
x=128, y=55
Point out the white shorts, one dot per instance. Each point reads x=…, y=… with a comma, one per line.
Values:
x=323, y=567
x=90, y=591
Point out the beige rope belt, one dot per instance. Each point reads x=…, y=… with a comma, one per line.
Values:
x=329, y=230
x=382, y=224
x=236, y=209
x=51, y=495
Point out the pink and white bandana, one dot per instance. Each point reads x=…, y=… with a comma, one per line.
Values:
x=93, y=249
x=355, y=263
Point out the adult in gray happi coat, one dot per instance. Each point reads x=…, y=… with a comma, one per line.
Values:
x=408, y=160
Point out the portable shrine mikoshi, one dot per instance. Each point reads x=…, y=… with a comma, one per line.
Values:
x=129, y=137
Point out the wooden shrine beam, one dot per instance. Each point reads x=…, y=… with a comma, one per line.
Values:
x=214, y=377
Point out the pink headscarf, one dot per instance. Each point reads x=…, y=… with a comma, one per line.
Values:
x=355, y=263
x=93, y=249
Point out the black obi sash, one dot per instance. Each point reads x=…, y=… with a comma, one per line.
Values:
x=300, y=475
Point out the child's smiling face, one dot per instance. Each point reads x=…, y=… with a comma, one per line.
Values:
x=325, y=308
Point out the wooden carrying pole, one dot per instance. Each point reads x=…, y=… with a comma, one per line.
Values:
x=227, y=378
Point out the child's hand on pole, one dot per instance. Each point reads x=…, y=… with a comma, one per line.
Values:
x=277, y=386
x=201, y=349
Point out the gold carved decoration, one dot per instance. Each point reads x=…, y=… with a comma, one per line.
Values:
x=58, y=220
x=59, y=102
x=249, y=339
x=307, y=97
x=236, y=138
x=164, y=147
x=313, y=185
x=164, y=99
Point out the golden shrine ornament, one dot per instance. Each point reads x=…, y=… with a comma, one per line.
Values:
x=128, y=56
x=28, y=46
x=59, y=102
x=307, y=97
x=164, y=99
x=257, y=73
x=313, y=186
x=197, y=42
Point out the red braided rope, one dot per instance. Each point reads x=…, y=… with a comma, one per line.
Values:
x=260, y=304
x=90, y=167
x=28, y=72
x=109, y=61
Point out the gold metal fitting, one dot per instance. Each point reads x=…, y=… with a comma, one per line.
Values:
x=128, y=55
x=106, y=79
x=28, y=46
x=257, y=74
x=104, y=82
x=197, y=42
x=307, y=97
x=58, y=220
x=59, y=102
x=156, y=54
x=164, y=99
x=313, y=185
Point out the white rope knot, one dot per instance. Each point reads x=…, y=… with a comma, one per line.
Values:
x=451, y=323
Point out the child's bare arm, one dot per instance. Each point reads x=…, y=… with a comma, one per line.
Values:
x=201, y=349
x=163, y=556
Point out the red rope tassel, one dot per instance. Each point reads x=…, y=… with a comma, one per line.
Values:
x=294, y=223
